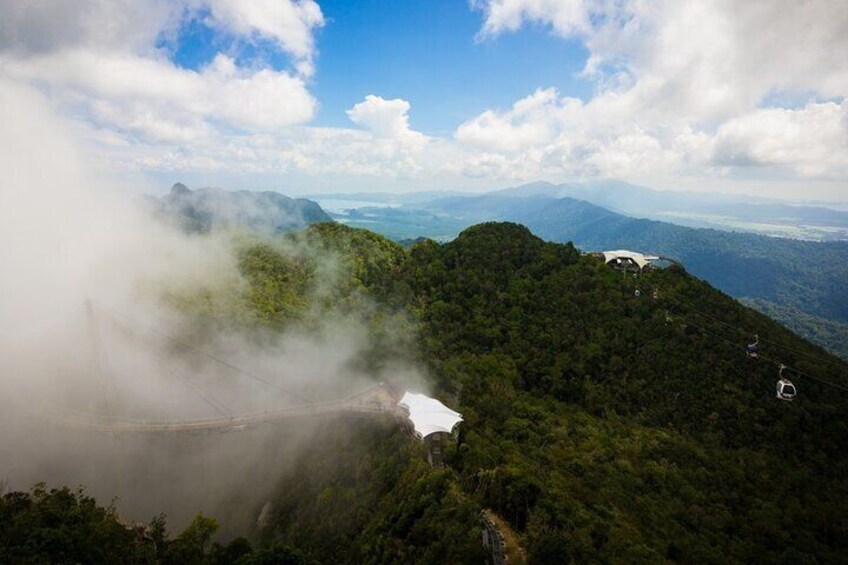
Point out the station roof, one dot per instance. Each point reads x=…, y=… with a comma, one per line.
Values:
x=639, y=258
x=428, y=415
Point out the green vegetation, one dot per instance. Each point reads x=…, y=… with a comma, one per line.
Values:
x=797, y=277
x=593, y=422
x=67, y=526
x=831, y=335
x=602, y=426
x=805, y=275
x=367, y=495
x=597, y=429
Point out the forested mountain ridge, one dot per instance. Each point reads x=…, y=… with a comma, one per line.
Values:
x=599, y=430
x=790, y=275
x=603, y=426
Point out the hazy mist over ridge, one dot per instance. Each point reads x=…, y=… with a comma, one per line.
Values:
x=68, y=238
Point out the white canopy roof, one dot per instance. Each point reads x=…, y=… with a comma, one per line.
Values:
x=428, y=415
x=638, y=258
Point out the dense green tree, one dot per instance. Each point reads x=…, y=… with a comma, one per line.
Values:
x=190, y=546
x=65, y=526
x=603, y=426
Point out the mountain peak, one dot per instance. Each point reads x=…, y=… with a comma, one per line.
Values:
x=179, y=189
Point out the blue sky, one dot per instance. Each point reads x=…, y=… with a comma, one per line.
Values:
x=427, y=53
x=423, y=51
x=314, y=95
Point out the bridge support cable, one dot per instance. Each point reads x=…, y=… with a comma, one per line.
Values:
x=207, y=398
x=198, y=351
x=164, y=364
x=97, y=350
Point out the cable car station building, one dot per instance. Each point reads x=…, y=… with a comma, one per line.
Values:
x=432, y=422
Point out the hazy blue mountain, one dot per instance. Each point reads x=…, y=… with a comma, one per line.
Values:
x=729, y=212
x=698, y=209
x=403, y=223
x=210, y=208
x=389, y=197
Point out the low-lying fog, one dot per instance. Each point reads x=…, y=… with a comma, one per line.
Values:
x=84, y=334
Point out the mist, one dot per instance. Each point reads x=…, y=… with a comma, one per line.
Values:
x=85, y=331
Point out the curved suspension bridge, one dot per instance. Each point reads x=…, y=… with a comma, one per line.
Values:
x=375, y=399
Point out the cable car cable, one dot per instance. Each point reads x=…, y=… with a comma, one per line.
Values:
x=762, y=339
x=772, y=361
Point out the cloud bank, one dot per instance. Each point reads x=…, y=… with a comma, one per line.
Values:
x=697, y=93
x=708, y=88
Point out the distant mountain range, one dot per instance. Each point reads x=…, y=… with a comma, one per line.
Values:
x=206, y=209
x=730, y=212
x=698, y=209
x=800, y=283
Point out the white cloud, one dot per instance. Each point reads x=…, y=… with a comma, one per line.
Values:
x=385, y=118
x=813, y=140
x=157, y=101
x=43, y=26
x=567, y=17
x=288, y=23
x=312, y=151
x=99, y=61
x=681, y=89
x=701, y=59
x=528, y=123
x=563, y=135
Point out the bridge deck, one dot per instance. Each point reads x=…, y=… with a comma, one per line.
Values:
x=373, y=401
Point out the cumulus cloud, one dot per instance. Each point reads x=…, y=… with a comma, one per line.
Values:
x=155, y=100
x=528, y=123
x=109, y=64
x=552, y=134
x=43, y=26
x=813, y=140
x=288, y=23
x=316, y=151
x=567, y=17
x=135, y=25
x=716, y=55
x=682, y=88
x=101, y=61
x=385, y=118
x=708, y=89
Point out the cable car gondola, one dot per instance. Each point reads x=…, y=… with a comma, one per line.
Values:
x=785, y=388
x=752, y=348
